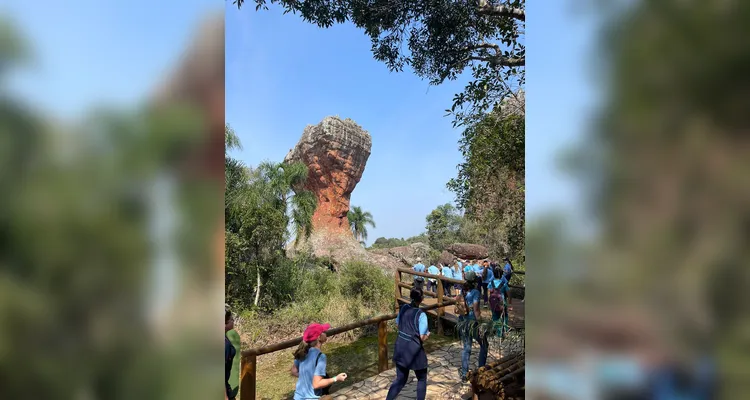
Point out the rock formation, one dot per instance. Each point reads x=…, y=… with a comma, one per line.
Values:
x=335, y=152
x=446, y=258
x=468, y=251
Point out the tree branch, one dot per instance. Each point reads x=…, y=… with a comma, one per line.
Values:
x=500, y=60
x=497, y=10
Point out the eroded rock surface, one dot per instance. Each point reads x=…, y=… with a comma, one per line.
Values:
x=335, y=152
x=468, y=251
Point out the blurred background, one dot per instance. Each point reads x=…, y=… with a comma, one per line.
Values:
x=111, y=177
x=637, y=201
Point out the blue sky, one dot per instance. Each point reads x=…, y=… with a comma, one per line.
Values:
x=283, y=74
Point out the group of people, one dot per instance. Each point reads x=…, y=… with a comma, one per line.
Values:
x=483, y=281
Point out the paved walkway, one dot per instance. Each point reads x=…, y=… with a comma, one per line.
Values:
x=443, y=382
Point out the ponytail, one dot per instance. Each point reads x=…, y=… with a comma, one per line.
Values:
x=302, y=350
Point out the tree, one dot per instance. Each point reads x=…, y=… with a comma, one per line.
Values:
x=443, y=224
x=490, y=184
x=358, y=221
x=438, y=40
x=262, y=211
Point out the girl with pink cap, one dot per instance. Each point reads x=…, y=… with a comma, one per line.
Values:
x=310, y=365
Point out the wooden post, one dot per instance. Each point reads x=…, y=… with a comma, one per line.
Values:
x=247, y=377
x=441, y=310
x=397, y=278
x=382, y=346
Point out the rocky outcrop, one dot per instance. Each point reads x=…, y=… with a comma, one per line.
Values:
x=335, y=152
x=446, y=258
x=468, y=251
x=407, y=255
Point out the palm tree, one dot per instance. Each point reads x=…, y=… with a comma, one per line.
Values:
x=358, y=221
x=285, y=182
x=261, y=205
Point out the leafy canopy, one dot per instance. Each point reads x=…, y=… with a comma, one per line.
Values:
x=438, y=40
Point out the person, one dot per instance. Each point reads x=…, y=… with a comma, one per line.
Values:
x=408, y=352
x=487, y=277
x=419, y=267
x=234, y=375
x=310, y=365
x=507, y=269
x=230, y=353
x=468, y=268
x=458, y=274
x=432, y=283
x=498, y=300
x=473, y=313
x=447, y=272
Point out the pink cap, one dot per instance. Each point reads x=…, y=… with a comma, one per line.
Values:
x=313, y=331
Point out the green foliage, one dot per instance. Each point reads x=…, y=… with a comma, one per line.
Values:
x=385, y=243
x=443, y=224
x=490, y=183
x=438, y=41
x=366, y=281
x=260, y=206
x=358, y=221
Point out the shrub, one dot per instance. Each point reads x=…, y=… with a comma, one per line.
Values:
x=368, y=282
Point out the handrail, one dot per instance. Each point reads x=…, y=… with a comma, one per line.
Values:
x=258, y=351
x=451, y=280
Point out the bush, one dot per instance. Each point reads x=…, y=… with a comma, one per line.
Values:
x=368, y=282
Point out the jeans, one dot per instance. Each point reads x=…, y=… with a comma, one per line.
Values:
x=431, y=287
x=402, y=374
x=485, y=292
x=495, y=318
x=483, y=349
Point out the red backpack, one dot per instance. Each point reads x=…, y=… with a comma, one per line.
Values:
x=496, y=301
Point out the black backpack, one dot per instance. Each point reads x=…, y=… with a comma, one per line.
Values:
x=324, y=391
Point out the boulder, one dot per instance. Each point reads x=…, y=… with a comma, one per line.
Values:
x=468, y=251
x=446, y=258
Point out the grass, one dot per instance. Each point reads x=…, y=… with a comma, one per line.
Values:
x=358, y=359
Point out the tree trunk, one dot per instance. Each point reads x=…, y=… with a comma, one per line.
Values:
x=257, y=288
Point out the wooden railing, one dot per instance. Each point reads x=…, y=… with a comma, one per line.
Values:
x=249, y=357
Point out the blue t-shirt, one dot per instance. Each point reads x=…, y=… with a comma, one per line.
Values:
x=468, y=268
x=433, y=270
x=477, y=269
x=447, y=272
x=472, y=298
x=422, y=323
x=307, y=370
x=490, y=275
x=419, y=267
x=457, y=274
x=460, y=265
x=507, y=271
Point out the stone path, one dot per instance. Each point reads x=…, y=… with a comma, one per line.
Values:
x=443, y=382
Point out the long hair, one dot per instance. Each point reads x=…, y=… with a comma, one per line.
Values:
x=416, y=296
x=301, y=352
